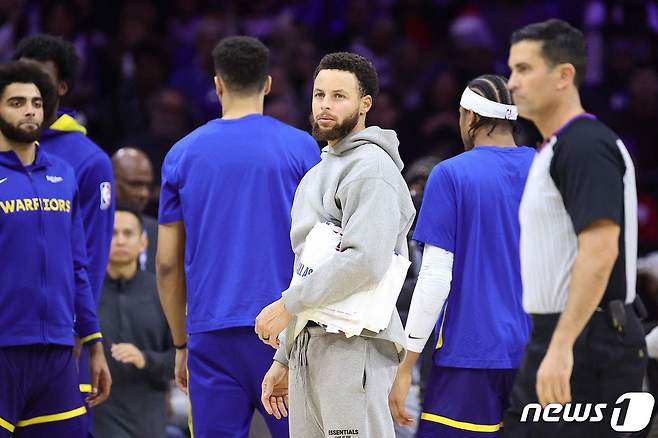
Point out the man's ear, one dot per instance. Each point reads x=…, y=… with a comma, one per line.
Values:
x=267, y=87
x=366, y=104
x=219, y=86
x=471, y=119
x=62, y=88
x=566, y=75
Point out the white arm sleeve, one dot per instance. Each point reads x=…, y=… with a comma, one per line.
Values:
x=431, y=291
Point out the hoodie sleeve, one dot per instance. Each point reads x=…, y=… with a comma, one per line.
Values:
x=87, y=326
x=96, y=184
x=371, y=223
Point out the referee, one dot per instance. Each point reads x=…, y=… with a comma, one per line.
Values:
x=578, y=245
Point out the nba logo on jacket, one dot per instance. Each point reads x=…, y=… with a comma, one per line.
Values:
x=106, y=195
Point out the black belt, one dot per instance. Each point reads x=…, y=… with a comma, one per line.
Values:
x=616, y=311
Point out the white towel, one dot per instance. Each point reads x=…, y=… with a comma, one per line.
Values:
x=369, y=309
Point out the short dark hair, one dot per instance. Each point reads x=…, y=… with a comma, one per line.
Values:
x=561, y=43
x=42, y=47
x=365, y=72
x=26, y=72
x=494, y=88
x=127, y=208
x=241, y=62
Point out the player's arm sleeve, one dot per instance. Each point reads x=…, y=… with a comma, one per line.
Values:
x=371, y=224
x=431, y=292
x=589, y=175
x=86, y=324
x=97, y=216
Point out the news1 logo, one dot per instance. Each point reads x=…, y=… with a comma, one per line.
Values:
x=630, y=413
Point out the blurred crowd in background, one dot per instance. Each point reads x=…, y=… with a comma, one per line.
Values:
x=146, y=77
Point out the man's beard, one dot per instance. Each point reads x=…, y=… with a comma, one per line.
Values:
x=339, y=131
x=19, y=135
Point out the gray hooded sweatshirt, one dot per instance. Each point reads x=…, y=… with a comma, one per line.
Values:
x=358, y=186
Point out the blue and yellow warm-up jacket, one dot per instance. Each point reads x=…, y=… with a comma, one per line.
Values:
x=44, y=290
x=67, y=140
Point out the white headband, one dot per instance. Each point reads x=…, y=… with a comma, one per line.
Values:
x=485, y=107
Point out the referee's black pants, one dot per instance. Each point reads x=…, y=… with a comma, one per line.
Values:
x=606, y=365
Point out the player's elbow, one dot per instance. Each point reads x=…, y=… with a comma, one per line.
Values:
x=169, y=256
x=373, y=267
x=166, y=265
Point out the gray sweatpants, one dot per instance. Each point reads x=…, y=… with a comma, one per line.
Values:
x=338, y=387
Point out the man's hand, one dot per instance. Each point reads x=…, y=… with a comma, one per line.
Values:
x=180, y=370
x=398, y=396
x=553, y=376
x=128, y=353
x=271, y=321
x=274, y=390
x=101, y=381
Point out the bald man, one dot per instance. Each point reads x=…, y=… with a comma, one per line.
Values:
x=133, y=176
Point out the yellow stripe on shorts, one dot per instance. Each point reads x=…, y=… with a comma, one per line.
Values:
x=473, y=427
x=53, y=417
x=6, y=425
x=189, y=399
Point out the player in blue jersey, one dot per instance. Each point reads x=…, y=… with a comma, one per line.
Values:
x=44, y=289
x=470, y=281
x=224, y=250
x=67, y=139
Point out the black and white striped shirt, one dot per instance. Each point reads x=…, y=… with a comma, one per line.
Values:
x=584, y=173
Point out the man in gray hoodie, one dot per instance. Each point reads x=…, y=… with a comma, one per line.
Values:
x=339, y=386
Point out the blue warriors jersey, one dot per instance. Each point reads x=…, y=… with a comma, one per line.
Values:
x=44, y=293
